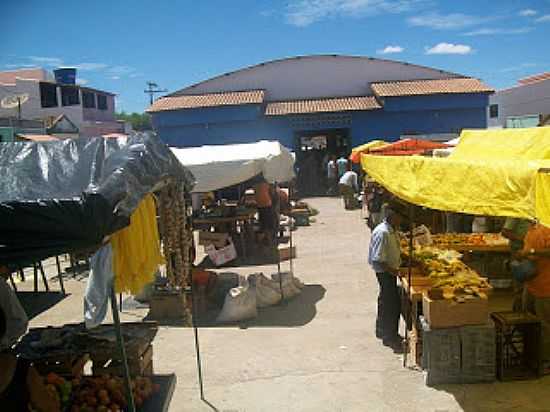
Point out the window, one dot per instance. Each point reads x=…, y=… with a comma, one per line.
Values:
x=101, y=102
x=88, y=100
x=493, y=111
x=48, y=95
x=69, y=96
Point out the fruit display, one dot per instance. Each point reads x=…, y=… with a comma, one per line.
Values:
x=449, y=273
x=106, y=393
x=470, y=239
x=59, y=388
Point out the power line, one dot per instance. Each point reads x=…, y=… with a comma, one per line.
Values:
x=152, y=89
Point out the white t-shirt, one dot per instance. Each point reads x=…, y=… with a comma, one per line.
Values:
x=349, y=179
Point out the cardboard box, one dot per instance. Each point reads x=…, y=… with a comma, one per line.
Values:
x=286, y=252
x=219, y=240
x=222, y=255
x=417, y=277
x=445, y=313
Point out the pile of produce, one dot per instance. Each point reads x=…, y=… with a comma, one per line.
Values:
x=450, y=274
x=106, y=393
x=470, y=239
x=59, y=388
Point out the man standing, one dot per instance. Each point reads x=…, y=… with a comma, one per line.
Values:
x=341, y=164
x=385, y=259
x=332, y=175
x=348, y=188
x=515, y=230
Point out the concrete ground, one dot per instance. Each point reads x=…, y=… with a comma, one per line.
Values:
x=316, y=353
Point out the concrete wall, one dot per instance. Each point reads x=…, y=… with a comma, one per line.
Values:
x=316, y=76
x=182, y=129
x=520, y=101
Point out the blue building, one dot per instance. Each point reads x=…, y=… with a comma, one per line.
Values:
x=325, y=103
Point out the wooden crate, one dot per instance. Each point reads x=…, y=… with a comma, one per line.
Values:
x=445, y=313
x=163, y=306
x=286, y=252
x=138, y=365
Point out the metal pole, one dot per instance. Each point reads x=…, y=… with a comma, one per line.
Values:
x=122, y=351
x=290, y=231
x=409, y=280
x=197, y=345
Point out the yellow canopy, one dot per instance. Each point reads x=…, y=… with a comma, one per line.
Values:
x=491, y=172
x=355, y=155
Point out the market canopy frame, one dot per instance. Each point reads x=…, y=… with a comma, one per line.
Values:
x=491, y=172
x=219, y=166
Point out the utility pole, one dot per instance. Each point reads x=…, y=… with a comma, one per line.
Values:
x=19, y=111
x=152, y=88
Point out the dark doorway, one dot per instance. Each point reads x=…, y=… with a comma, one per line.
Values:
x=313, y=150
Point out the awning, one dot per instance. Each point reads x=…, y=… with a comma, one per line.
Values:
x=355, y=155
x=407, y=146
x=491, y=172
x=218, y=166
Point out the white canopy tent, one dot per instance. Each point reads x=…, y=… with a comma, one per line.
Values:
x=219, y=166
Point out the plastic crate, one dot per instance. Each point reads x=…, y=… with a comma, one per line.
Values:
x=518, y=345
x=478, y=353
x=441, y=354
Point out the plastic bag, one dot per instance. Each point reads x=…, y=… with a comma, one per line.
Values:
x=289, y=286
x=240, y=304
x=265, y=294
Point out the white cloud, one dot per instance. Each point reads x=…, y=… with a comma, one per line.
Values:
x=528, y=12
x=494, y=31
x=451, y=21
x=46, y=61
x=81, y=81
x=449, y=48
x=390, y=50
x=115, y=77
x=90, y=66
x=121, y=70
x=543, y=19
x=302, y=13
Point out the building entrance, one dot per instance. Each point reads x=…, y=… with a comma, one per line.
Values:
x=314, y=148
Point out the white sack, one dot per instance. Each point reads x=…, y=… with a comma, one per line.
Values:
x=289, y=287
x=240, y=304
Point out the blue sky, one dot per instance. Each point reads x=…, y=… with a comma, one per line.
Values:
x=119, y=44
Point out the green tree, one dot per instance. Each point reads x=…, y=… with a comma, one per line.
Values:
x=139, y=121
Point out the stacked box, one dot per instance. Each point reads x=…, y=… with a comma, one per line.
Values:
x=478, y=353
x=464, y=354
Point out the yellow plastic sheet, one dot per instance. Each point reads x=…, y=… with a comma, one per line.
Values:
x=483, y=179
x=136, y=249
x=355, y=155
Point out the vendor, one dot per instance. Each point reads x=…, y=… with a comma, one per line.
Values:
x=264, y=202
x=385, y=259
x=537, y=290
x=21, y=385
x=515, y=230
x=348, y=187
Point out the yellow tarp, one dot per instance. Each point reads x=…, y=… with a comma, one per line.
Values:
x=491, y=172
x=355, y=155
x=136, y=249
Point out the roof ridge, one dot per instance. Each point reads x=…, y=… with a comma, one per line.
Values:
x=211, y=93
x=426, y=80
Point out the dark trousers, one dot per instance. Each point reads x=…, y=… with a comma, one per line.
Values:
x=389, y=307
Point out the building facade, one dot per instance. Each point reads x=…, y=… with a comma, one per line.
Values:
x=347, y=100
x=33, y=94
x=525, y=104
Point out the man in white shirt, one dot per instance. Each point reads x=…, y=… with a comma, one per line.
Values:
x=332, y=176
x=348, y=188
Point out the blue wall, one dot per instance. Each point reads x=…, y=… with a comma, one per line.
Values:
x=247, y=123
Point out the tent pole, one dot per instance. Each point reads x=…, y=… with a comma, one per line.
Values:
x=409, y=276
x=197, y=345
x=122, y=351
x=290, y=231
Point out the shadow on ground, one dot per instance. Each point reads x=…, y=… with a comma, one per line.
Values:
x=298, y=311
x=36, y=303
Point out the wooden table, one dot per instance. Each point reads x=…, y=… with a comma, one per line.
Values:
x=229, y=224
x=460, y=247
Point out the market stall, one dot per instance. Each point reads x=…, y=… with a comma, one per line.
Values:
x=96, y=195
x=222, y=166
x=490, y=173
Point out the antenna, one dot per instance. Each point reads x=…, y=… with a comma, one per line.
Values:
x=152, y=88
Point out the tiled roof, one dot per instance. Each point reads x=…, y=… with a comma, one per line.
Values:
x=207, y=100
x=36, y=137
x=424, y=87
x=336, y=104
x=534, y=78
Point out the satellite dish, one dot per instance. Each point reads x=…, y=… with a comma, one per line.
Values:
x=11, y=102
